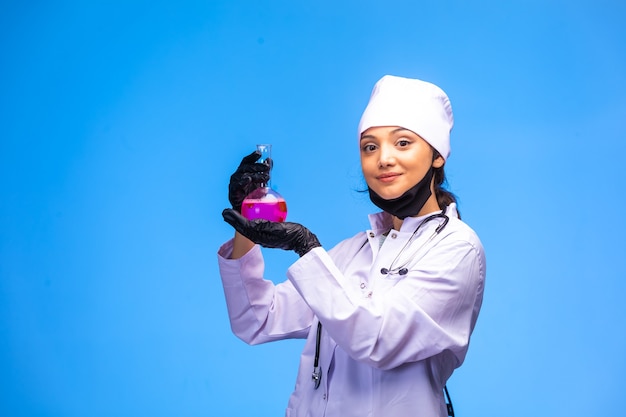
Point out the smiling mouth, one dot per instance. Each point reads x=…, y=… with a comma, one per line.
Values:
x=387, y=177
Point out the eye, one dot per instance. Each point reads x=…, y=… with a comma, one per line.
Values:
x=403, y=142
x=368, y=147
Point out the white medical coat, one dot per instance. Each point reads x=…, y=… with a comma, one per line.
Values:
x=389, y=342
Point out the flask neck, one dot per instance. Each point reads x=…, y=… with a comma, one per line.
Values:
x=266, y=152
x=266, y=158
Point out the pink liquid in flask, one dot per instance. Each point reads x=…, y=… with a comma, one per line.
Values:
x=266, y=205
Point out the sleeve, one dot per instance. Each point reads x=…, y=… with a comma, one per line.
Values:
x=260, y=311
x=430, y=310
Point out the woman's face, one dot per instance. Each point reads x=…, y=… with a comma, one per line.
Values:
x=394, y=159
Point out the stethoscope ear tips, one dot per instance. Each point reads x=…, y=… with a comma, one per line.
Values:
x=402, y=271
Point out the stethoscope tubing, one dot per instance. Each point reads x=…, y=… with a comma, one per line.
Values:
x=402, y=269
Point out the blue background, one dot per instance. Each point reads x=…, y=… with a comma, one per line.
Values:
x=121, y=122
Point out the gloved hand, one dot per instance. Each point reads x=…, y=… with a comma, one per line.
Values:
x=248, y=177
x=285, y=235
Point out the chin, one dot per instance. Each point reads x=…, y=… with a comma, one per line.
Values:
x=388, y=195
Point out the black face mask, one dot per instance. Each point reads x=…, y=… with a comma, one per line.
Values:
x=408, y=204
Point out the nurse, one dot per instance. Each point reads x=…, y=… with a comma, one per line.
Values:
x=387, y=313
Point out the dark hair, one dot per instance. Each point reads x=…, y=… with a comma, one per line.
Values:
x=444, y=197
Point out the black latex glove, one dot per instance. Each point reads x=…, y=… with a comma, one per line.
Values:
x=249, y=176
x=285, y=235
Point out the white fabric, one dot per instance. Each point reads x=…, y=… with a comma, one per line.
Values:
x=417, y=105
x=389, y=342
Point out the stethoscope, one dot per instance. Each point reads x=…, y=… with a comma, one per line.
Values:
x=316, y=376
x=402, y=269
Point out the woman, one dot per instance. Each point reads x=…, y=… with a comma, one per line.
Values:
x=388, y=313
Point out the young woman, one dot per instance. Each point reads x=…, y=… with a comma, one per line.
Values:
x=387, y=313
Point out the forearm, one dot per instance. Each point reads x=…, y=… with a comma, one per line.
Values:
x=414, y=319
x=241, y=246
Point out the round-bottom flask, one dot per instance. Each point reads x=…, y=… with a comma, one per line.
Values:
x=264, y=202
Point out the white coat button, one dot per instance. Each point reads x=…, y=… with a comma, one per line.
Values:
x=372, y=234
x=362, y=285
x=324, y=396
x=394, y=235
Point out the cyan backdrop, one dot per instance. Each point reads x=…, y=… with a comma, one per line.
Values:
x=121, y=122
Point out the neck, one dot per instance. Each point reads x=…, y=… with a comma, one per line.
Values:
x=430, y=206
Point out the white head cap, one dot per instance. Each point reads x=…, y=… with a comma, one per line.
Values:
x=417, y=105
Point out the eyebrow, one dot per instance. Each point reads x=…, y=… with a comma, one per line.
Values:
x=400, y=129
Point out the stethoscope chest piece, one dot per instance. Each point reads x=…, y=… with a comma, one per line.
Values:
x=316, y=377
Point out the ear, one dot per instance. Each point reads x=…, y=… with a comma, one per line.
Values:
x=438, y=162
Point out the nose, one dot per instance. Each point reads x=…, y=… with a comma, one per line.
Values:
x=386, y=157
